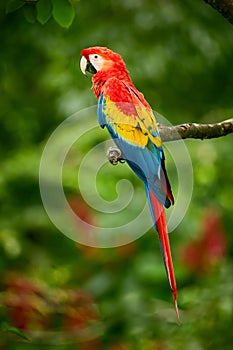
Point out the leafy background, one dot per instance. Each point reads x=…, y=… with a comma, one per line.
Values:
x=57, y=293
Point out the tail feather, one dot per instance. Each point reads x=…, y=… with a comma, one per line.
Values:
x=158, y=215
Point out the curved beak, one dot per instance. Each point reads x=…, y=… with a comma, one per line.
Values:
x=83, y=65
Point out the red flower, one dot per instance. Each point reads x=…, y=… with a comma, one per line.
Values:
x=210, y=247
x=25, y=303
x=80, y=311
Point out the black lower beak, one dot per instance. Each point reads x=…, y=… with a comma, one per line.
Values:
x=90, y=68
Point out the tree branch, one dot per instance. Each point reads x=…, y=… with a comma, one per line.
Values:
x=196, y=131
x=183, y=131
x=225, y=7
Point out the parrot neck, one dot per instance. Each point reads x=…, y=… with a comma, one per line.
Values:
x=101, y=77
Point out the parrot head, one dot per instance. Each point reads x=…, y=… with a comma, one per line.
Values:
x=102, y=60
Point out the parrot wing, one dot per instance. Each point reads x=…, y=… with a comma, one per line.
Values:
x=131, y=123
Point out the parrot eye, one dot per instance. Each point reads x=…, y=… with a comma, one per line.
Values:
x=97, y=61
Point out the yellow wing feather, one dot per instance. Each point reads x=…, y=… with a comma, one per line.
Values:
x=136, y=127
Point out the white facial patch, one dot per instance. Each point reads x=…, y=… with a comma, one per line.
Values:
x=97, y=61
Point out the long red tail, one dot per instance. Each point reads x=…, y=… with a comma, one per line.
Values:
x=159, y=217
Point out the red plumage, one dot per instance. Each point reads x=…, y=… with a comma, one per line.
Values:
x=161, y=225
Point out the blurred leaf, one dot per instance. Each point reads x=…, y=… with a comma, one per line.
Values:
x=63, y=12
x=30, y=13
x=44, y=10
x=7, y=328
x=13, y=5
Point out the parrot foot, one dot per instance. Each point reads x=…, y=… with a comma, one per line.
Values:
x=114, y=155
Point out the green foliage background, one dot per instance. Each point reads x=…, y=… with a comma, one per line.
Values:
x=179, y=53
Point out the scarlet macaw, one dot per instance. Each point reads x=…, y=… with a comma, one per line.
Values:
x=132, y=125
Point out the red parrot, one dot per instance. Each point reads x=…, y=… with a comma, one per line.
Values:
x=123, y=110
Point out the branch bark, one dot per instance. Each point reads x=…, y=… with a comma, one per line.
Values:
x=224, y=7
x=183, y=131
x=196, y=131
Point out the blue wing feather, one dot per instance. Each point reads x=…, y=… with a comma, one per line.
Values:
x=100, y=111
x=144, y=161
